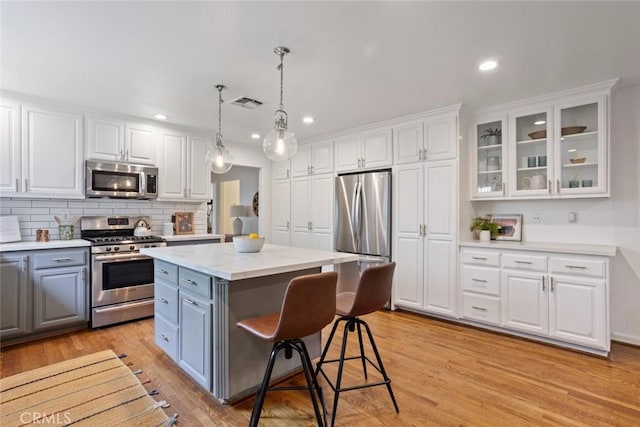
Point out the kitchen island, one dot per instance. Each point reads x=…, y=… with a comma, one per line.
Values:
x=201, y=291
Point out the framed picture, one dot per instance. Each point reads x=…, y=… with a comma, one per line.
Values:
x=184, y=222
x=509, y=226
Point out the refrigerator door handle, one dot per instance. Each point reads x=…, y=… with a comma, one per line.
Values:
x=357, y=213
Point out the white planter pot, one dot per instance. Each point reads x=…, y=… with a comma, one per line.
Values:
x=485, y=235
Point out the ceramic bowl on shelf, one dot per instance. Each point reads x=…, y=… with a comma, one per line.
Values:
x=247, y=244
x=578, y=160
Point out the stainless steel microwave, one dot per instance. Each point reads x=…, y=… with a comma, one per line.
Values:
x=121, y=180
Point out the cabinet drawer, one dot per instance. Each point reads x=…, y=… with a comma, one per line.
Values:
x=195, y=282
x=481, y=308
x=481, y=280
x=578, y=266
x=166, y=301
x=59, y=259
x=166, y=337
x=166, y=271
x=524, y=262
x=481, y=258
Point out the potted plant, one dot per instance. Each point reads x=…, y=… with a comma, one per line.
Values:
x=491, y=137
x=485, y=228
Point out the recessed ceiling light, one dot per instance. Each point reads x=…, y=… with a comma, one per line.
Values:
x=573, y=150
x=488, y=65
x=308, y=119
x=160, y=116
x=539, y=122
x=255, y=136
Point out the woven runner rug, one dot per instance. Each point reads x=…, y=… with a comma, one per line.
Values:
x=93, y=390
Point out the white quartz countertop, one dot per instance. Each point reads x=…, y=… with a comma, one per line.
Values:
x=565, y=248
x=52, y=244
x=181, y=237
x=222, y=260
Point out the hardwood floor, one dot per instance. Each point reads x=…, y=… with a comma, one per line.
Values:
x=442, y=374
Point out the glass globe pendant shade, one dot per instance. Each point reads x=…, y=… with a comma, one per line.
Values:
x=219, y=159
x=280, y=144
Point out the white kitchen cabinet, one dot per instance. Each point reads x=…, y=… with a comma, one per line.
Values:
x=560, y=298
x=368, y=150
x=556, y=147
x=119, y=141
x=183, y=174
x=31, y=137
x=10, y=148
x=312, y=212
x=433, y=139
x=425, y=207
x=281, y=170
x=13, y=294
x=281, y=190
x=313, y=159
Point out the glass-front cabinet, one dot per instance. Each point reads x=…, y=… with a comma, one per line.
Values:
x=531, y=159
x=490, y=158
x=581, y=148
x=545, y=148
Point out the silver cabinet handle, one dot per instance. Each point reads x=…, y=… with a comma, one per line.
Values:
x=313, y=169
x=121, y=155
x=549, y=186
x=478, y=308
x=163, y=271
x=420, y=231
x=543, y=287
x=425, y=154
x=481, y=258
x=581, y=267
x=308, y=170
x=288, y=173
x=363, y=162
x=25, y=263
x=419, y=153
x=551, y=284
x=64, y=259
x=523, y=262
x=359, y=163
x=188, y=301
x=479, y=280
x=557, y=185
x=164, y=337
x=504, y=188
x=311, y=225
x=164, y=300
x=84, y=275
x=127, y=155
x=17, y=184
x=287, y=225
x=189, y=281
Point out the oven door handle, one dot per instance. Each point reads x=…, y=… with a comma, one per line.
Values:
x=121, y=257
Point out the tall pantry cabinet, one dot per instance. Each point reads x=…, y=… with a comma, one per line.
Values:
x=425, y=212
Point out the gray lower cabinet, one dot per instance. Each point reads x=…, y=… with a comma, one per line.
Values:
x=43, y=290
x=195, y=338
x=13, y=294
x=183, y=319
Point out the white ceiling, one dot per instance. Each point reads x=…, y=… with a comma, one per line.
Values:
x=352, y=63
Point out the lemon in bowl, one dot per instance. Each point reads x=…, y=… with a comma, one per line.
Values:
x=248, y=244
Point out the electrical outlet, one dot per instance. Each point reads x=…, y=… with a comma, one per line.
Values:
x=65, y=216
x=536, y=218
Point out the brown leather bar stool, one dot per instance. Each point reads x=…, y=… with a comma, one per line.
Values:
x=372, y=294
x=309, y=305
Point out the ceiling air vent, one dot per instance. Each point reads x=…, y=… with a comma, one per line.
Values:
x=245, y=102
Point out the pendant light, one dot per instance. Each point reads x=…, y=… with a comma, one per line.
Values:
x=280, y=143
x=218, y=158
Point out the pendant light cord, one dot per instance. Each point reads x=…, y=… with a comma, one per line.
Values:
x=281, y=68
x=219, y=135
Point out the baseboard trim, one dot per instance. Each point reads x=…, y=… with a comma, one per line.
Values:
x=625, y=339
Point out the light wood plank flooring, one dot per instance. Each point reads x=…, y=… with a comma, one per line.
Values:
x=442, y=374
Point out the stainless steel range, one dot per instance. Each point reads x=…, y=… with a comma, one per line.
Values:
x=121, y=277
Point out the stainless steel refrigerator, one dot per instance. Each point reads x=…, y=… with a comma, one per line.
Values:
x=362, y=222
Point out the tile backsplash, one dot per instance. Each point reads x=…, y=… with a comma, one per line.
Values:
x=38, y=213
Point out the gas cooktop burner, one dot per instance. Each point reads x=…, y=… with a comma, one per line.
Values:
x=119, y=239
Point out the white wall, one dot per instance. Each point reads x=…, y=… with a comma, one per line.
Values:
x=612, y=221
